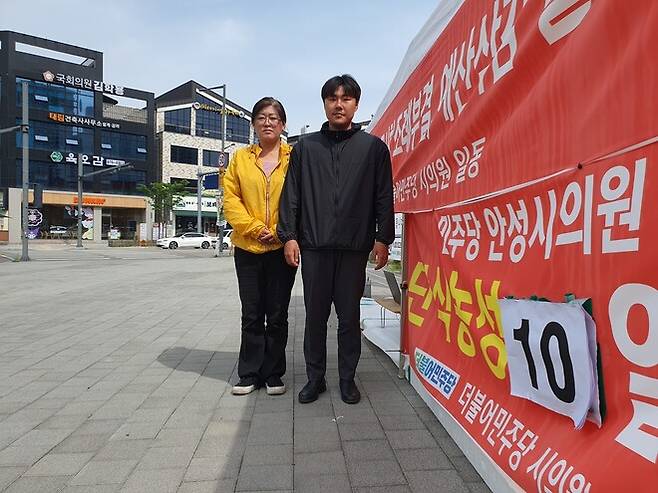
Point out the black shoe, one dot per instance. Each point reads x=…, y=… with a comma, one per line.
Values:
x=245, y=386
x=312, y=390
x=275, y=386
x=349, y=392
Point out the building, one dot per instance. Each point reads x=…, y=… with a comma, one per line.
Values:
x=189, y=132
x=73, y=114
x=293, y=139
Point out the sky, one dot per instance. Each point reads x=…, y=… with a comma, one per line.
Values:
x=284, y=49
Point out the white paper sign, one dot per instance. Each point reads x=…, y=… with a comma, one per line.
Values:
x=551, y=357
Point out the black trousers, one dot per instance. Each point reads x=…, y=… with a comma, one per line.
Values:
x=336, y=276
x=265, y=281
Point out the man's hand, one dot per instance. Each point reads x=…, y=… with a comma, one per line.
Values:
x=266, y=236
x=381, y=254
x=291, y=252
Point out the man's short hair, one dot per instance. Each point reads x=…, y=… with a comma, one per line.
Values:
x=346, y=81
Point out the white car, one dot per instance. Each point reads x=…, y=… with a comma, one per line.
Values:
x=187, y=240
x=226, y=240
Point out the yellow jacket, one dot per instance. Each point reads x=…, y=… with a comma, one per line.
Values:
x=251, y=199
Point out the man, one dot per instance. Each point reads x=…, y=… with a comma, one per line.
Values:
x=336, y=207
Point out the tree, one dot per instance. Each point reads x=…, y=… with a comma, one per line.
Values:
x=163, y=197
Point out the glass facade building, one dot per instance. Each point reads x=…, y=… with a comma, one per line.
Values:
x=75, y=115
x=53, y=97
x=124, y=146
x=178, y=121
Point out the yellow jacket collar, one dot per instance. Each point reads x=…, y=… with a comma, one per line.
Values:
x=284, y=150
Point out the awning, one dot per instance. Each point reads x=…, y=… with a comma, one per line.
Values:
x=194, y=213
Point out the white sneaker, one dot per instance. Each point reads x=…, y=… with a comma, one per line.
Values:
x=275, y=386
x=243, y=387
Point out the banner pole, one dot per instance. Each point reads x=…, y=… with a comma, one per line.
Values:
x=403, y=301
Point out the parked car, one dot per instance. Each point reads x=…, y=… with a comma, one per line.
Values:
x=226, y=240
x=187, y=240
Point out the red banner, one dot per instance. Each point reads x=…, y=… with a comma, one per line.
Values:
x=524, y=149
x=562, y=236
x=514, y=90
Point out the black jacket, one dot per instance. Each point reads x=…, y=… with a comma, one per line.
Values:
x=338, y=193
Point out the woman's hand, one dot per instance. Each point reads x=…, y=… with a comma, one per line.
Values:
x=266, y=237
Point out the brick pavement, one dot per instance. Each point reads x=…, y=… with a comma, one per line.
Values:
x=115, y=376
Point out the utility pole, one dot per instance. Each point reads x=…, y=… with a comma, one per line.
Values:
x=199, y=183
x=80, y=177
x=220, y=195
x=25, y=129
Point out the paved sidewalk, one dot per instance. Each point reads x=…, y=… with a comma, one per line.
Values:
x=115, y=376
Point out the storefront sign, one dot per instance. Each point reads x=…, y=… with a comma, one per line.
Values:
x=87, y=159
x=80, y=120
x=89, y=200
x=110, y=200
x=218, y=109
x=208, y=204
x=95, y=85
x=520, y=177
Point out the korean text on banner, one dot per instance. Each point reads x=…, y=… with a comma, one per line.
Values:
x=524, y=145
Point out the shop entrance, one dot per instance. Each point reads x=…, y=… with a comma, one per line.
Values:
x=124, y=221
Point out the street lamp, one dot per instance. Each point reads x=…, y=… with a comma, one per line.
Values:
x=220, y=192
x=81, y=177
x=24, y=127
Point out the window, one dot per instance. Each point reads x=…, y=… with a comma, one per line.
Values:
x=58, y=137
x=204, y=100
x=211, y=158
x=185, y=155
x=237, y=129
x=123, y=182
x=53, y=97
x=208, y=124
x=123, y=146
x=178, y=121
x=62, y=176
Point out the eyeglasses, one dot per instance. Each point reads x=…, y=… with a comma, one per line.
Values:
x=273, y=119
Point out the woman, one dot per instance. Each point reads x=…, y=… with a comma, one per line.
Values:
x=252, y=186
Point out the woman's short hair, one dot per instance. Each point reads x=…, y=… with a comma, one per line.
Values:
x=264, y=103
x=346, y=81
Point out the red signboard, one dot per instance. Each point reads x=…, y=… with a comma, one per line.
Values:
x=521, y=244
x=524, y=151
x=513, y=90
